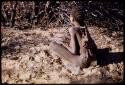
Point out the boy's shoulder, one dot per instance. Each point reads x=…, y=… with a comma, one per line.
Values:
x=74, y=28
x=77, y=29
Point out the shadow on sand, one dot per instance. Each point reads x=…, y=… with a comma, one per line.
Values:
x=105, y=57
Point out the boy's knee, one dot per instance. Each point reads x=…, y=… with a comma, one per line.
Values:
x=53, y=45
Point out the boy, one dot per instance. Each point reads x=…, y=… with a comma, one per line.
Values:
x=82, y=48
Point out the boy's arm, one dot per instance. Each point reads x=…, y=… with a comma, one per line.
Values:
x=73, y=45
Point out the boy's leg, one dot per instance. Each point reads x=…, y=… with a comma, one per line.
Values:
x=62, y=52
x=70, y=61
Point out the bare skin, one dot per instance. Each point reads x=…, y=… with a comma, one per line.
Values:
x=78, y=55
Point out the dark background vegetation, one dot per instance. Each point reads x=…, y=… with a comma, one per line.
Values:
x=48, y=14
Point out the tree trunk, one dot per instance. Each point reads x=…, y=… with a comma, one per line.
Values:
x=13, y=14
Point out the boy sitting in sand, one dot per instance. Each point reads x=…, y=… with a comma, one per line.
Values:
x=82, y=47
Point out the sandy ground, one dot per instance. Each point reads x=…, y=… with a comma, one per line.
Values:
x=26, y=58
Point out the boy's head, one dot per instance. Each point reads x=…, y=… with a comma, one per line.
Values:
x=76, y=15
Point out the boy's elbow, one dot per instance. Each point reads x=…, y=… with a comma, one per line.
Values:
x=74, y=51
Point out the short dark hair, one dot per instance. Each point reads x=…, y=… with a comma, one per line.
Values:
x=77, y=14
